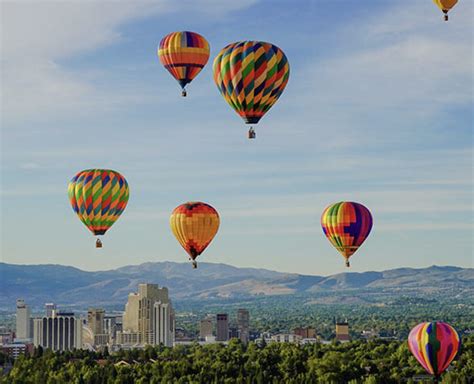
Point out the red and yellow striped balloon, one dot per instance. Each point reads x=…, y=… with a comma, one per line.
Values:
x=194, y=225
x=434, y=345
x=346, y=225
x=251, y=76
x=99, y=197
x=184, y=54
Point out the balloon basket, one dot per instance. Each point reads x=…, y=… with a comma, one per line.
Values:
x=252, y=134
x=98, y=243
x=183, y=93
x=348, y=264
x=195, y=264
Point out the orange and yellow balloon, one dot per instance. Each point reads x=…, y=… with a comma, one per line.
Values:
x=99, y=197
x=184, y=54
x=445, y=6
x=194, y=224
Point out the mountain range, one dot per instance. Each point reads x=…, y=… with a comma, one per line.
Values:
x=38, y=284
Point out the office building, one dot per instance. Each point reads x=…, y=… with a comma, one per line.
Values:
x=163, y=324
x=234, y=332
x=205, y=328
x=286, y=338
x=342, y=331
x=305, y=333
x=222, y=326
x=243, y=325
x=49, y=308
x=6, y=336
x=112, y=325
x=60, y=332
x=128, y=338
x=101, y=340
x=95, y=320
x=148, y=317
x=23, y=320
x=14, y=350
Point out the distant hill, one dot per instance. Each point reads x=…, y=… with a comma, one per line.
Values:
x=38, y=284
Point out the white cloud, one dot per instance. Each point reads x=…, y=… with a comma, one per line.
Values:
x=401, y=61
x=37, y=35
x=417, y=72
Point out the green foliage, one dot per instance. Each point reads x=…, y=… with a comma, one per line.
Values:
x=356, y=362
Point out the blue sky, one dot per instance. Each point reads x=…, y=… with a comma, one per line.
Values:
x=378, y=109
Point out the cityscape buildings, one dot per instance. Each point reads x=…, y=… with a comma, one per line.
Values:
x=95, y=320
x=61, y=331
x=163, y=324
x=222, y=326
x=23, y=322
x=6, y=336
x=50, y=307
x=112, y=325
x=342, y=331
x=205, y=328
x=286, y=338
x=148, y=317
x=14, y=350
x=243, y=325
x=306, y=332
x=233, y=333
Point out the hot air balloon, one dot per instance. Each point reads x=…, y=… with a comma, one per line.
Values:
x=194, y=224
x=434, y=345
x=183, y=54
x=445, y=6
x=346, y=225
x=98, y=196
x=251, y=76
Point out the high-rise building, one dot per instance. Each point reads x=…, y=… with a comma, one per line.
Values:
x=342, y=331
x=163, y=324
x=148, y=317
x=60, y=332
x=112, y=325
x=205, y=328
x=49, y=308
x=95, y=323
x=222, y=326
x=23, y=322
x=95, y=320
x=243, y=325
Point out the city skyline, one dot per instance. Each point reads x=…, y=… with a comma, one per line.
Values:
x=377, y=110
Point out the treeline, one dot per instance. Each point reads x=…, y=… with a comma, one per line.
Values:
x=355, y=362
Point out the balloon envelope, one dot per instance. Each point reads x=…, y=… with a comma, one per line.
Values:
x=194, y=225
x=445, y=5
x=434, y=345
x=99, y=197
x=346, y=225
x=251, y=76
x=184, y=54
